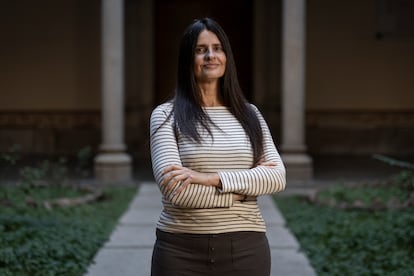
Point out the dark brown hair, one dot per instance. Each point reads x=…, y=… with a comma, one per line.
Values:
x=187, y=103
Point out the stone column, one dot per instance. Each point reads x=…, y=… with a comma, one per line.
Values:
x=112, y=164
x=298, y=163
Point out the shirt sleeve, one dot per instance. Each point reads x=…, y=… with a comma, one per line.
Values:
x=259, y=180
x=164, y=152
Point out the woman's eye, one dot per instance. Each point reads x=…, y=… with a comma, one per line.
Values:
x=200, y=50
x=218, y=49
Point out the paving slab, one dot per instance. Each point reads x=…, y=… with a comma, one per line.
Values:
x=272, y=217
x=149, y=188
x=266, y=202
x=132, y=236
x=147, y=201
x=280, y=237
x=122, y=262
x=142, y=216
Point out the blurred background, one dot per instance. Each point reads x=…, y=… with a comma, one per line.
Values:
x=359, y=81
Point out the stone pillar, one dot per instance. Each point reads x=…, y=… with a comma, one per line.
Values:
x=112, y=164
x=298, y=163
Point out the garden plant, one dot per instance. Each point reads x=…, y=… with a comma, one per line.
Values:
x=51, y=221
x=358, y=228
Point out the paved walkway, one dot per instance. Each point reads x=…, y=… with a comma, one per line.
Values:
x=128, y=251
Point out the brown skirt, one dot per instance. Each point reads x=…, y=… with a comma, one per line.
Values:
x=236, y=253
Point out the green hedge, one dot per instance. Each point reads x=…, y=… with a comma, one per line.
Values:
x=61, y=241
x=339, y=242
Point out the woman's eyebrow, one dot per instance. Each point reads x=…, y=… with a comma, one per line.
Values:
x=206, y=45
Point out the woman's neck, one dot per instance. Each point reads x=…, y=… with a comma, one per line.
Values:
x=210, y=94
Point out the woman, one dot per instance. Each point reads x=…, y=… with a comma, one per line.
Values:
x=212, y=155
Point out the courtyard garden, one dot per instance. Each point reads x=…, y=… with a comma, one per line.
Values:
x=359, y=228
x=52, y=222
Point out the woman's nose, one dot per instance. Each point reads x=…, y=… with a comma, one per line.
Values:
x=210, y=54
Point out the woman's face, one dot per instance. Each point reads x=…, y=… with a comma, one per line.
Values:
x=209, y=57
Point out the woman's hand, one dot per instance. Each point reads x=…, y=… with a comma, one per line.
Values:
x=268, y=164
x=240, y=197
x=175, y=174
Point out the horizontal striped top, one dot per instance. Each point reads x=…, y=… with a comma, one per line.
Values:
x=203, y=209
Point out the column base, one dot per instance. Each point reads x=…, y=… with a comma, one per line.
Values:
x=299, y=166
x=113, y=168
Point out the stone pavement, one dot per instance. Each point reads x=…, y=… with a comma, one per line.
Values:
x=128, y=251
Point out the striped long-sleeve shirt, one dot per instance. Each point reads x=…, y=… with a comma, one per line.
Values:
x=201, y=209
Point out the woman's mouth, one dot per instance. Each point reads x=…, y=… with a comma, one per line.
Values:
x=210, y=66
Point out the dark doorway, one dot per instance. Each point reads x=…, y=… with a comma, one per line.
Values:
x=171, y=19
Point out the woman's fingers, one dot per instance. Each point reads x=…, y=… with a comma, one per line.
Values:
x=171, y=168
x=173, y=176
x=174, y=179
x=170, y=172
x=177, y=175
x=268, y=164
x=183, y=185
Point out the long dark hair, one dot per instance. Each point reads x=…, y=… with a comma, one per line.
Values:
x=187, y=103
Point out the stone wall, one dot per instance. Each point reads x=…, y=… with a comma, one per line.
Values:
x=361, y=132
x=65, y=133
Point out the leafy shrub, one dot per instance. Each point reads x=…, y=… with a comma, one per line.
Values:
x=36, y=241
x=59, y=241
x=8, y=162
x=340, y=242
x=405, y=179
x=364, y=194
